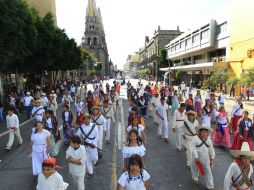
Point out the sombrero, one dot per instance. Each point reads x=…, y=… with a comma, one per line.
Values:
x=96, y=107
x=198, y=128
x=245, y=151
x=192, y=112
x=86, y=115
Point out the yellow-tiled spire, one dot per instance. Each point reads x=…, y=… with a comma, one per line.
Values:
x=91, y=8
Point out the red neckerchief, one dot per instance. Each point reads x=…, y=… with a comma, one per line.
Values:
x=181, y=111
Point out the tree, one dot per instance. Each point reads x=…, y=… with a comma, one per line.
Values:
x=247, y=78
x=218, y=77
x=163, y=58
x=233, y=81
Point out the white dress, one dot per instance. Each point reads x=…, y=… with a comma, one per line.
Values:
x=39, y=150
x=134, y=183
x=129, y=151
x=53, y=182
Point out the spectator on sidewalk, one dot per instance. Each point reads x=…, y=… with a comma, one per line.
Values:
x=12, y=122
x=27, y=104
x=232, y=90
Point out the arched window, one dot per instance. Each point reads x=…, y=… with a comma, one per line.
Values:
x=95, y=41
x=88, y=41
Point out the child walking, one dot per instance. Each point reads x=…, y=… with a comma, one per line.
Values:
x=67, y=118
x=76, y=156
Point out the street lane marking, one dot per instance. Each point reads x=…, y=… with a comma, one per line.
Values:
x=114, y=175
x=22, y=124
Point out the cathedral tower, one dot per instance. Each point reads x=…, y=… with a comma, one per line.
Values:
x=94, y=37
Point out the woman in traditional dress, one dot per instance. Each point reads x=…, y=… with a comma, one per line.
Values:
x=133, y=147
x=238, y=176
x=67, y=118
x=221, y=136
x=189, y=103
x=175, y=102
x=198, y=103
x=244, y=132
x=135, y=178
x=214, y=107
x=206, y=114
x=39, y=147
x=236, y=114
x=51, y=125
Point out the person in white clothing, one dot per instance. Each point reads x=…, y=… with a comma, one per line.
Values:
x=99, y=120
x=27, y=104
x=222, y=98
x=89, y=134
x=79, y=109
x=114, y=97
x=72, y=90
x=52, y=103
x=189, y=132
x=183, y=88
x=140, y=129
x=108, y=113
x=39, y=147
x=50, y=179
x=76, y=156
x=12, y=122
x=135, y=178
x=203, y=155
x=67, y=99
x=238, y=176
x=207, y=95
x=38, y=111
x=162, y=113
x=44, y=100
x=154, y=103
x=178, y=120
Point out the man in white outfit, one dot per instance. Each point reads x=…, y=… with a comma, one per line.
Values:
x=154, y=103
x=89, y=134
x=162, y=113
x=178, y=120
x=108, y=113
x=12, y=122
x=38, y=111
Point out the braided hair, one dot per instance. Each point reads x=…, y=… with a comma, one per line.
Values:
x=135, y=159
x=139, y=140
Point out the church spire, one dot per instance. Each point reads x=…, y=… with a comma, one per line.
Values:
x=91, y=8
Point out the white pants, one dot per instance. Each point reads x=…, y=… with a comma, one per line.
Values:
x=92, y=156
x=179, y=137
x=107, y=129
x=11, y=137
x=154, y=115
x=37, y=159
x=99, y=143
x=187, y=144
x=79, y=181
x=208, y=178
x=163, y=126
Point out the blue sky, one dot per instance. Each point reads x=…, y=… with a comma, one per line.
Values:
x=127, y=22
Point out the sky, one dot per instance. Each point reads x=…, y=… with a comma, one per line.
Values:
x=127, y=22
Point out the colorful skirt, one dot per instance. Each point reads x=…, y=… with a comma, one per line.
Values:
x=234, y=122
x=237, y=143
x=198, y=108
x=68, y=132
x=222, y=138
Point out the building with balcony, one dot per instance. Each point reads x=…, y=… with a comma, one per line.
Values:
x=149, y=54
x=197, y=52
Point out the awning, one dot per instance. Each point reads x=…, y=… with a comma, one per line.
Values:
x=165, y=69
x=209, y=65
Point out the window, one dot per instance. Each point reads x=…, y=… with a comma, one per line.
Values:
x=204, y=34
x=172, y=49
x=95, y=41
x=177, y=47
x=88, y=41
x=195, y=38
x=188, y=42
x=222, y=28
x=182, y=44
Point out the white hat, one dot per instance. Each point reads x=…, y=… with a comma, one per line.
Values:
x=198, y=128
x=192, y=112
x=245, y=151
x=28, y=93
x=43, y=94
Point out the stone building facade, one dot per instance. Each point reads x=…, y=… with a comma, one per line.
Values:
x=94, y=39
x=149, y=54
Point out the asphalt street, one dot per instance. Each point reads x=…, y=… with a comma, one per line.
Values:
x=163, y=162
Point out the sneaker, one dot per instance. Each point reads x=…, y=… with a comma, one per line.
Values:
x=7, y=148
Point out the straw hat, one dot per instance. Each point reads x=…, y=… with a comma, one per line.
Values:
x=38, y=101
x=86, y=115
x=245, y=151
x=190, y=112
x=43, y=94
x=96, y=107
x=28, y=93
x=198, y=128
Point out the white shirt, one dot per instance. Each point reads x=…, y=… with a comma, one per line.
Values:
x=27, y=100
x=191, y=126
x=94, y=136
x=73, y=89
x=207, y=96
x=162, y=110
x=49, y=123
x=53, y=182
x=79, y=154
x=128, y=151
x=140, y=129
x=44, y=101
x=233, y=172
x=236, y=110
x=66, y=115
x=223, y=97
x=78, y=106
x=155, y=101
x=183, y=87
x=178, y=119
x=38, y=114
x=133, y=183
x=40, y=140
x=12, y=121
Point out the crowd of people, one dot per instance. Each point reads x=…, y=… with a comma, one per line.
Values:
x=198, y=123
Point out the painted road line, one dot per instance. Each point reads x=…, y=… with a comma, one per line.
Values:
x=123, y=127
x=22, y=124
x=114, y=175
